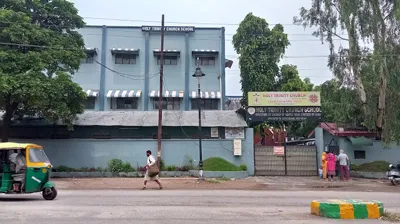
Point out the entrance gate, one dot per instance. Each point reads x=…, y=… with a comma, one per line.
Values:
x=300, y=160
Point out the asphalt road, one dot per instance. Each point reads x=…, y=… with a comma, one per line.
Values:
x=177, y=207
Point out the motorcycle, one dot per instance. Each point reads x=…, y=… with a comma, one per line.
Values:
x=394, y=174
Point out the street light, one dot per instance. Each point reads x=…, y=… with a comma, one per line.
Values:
x=199, y=74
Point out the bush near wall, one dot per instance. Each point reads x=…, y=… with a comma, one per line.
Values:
x=220, y=164
x=118, y=166
x=376, y=166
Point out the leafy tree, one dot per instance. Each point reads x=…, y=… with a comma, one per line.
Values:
x=337, y=103
x=372, y=21
x=260, y=49
x=289, y=80
x=40, y=49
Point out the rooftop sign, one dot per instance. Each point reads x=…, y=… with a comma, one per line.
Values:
x=179, y=29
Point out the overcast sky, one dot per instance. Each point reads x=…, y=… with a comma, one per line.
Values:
x=305, y=51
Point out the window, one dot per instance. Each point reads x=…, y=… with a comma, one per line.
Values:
x=90, y=103
x=206, y=104
x=89, y=59
x=126, y=59
x=124, y=103
x=169, y=60
x=168, y=104
x=37, y=156
x=359, y=154
x=206, y=61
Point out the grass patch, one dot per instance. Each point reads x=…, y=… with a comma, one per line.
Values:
x=391, y=217
x=213, y=181
x=224, y=179
x=376, y=166
x=219, y=164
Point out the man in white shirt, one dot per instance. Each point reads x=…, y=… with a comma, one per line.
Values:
x=344, y=165
x=151, y=161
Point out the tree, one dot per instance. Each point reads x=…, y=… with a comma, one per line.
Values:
x=260, y=49
x=40, y=50
x=289, y=80
x=372, y=21
x=337, y=103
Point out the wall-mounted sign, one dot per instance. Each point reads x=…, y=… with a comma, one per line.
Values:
x=214, y=133
x=279, y=150
x=237, y=147
x=283, y=113
x=183, y=29
x=279, y=99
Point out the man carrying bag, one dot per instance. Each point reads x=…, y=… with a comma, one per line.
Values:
x=152, y=171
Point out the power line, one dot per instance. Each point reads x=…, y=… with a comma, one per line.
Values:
x=177, y=22
x=110, y=26
x=211, y=39
x=180, y=125
x=130, y=76
x=298, y=56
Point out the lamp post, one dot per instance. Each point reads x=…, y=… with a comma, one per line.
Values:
x=199, y=74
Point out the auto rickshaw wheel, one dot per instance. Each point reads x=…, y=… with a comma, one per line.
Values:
x=49, y=193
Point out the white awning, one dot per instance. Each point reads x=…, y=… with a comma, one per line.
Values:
x=172, y=94
x=124, y=50
x=91, y=93
x=123, y=93
x=206, y=95
x=167, y=52
x=91, y=50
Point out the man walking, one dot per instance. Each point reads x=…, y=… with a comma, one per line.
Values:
x=344, y=165
x=151, y=161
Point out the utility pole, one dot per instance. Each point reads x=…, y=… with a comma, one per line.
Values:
x=160, y=98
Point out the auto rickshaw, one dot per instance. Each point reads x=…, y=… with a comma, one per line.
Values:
x=33, y=177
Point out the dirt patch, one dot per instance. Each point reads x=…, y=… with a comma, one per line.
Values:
x=251, y=183
x=172, y=184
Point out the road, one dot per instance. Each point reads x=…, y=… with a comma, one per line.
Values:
x=177, y=207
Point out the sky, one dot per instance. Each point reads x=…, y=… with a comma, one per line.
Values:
x=306, y=51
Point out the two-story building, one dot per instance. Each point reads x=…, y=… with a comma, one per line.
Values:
x=121, y=71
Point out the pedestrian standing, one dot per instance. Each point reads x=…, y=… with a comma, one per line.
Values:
x=331, y=165
x=151, y=161
x=344, y=165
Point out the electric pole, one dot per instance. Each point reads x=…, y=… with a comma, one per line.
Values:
x=160, y=98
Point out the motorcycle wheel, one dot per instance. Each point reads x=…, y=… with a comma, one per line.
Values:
x=395, y=182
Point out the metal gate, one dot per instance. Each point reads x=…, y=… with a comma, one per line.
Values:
x=299, y=161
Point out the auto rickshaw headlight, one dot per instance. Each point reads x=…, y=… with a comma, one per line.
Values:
x=44, y=170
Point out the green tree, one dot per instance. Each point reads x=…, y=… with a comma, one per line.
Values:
x=371, y=21
x=288, y=80
x=337, y=103
x=40, y=49
x=260, y=49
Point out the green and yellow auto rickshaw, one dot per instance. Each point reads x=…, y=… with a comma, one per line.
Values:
x=24, y=169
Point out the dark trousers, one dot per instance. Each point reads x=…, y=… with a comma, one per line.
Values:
x=344, y=172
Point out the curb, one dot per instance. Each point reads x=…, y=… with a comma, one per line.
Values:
x=347, y=209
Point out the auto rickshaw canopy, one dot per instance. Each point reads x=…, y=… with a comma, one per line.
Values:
x=16, y=146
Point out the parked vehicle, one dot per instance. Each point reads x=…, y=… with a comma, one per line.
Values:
x=24, y=169
x=394, y=174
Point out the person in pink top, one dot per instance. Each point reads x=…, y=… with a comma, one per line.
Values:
x=331, y=165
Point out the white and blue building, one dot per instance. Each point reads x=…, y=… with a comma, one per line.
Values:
x=121, y=71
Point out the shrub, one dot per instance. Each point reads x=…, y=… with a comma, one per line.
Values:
x=162, y=165
x=218, y=164
x=117, y=166
x=243, y=167
x=170, y=168
x=64, y=169
x=376, y=166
